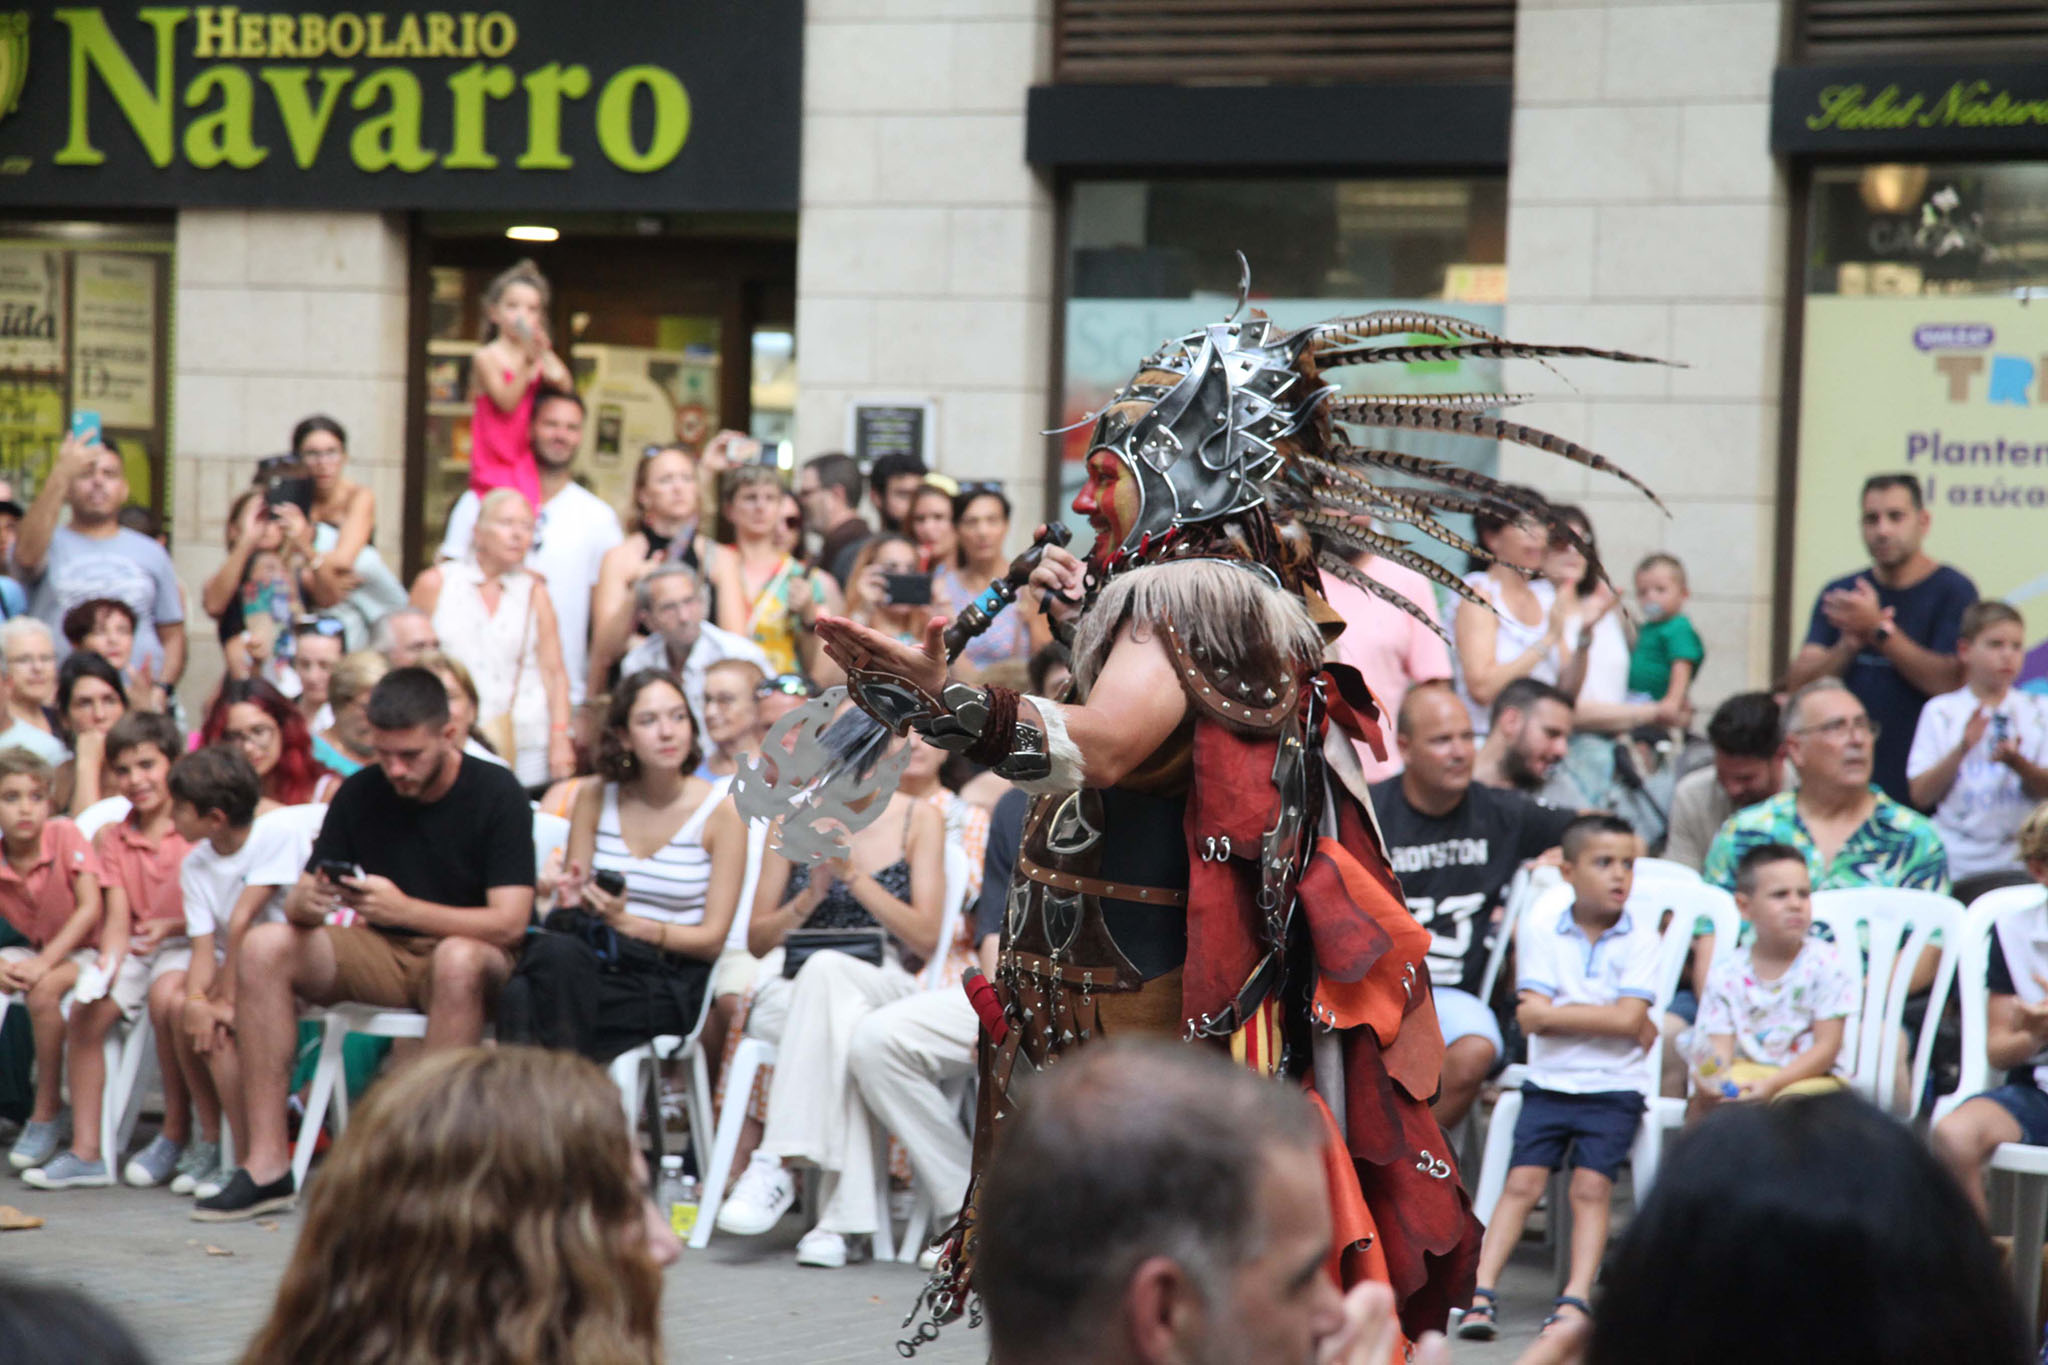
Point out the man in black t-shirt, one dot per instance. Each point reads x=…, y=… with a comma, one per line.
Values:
x=433, y=854
x=1456, y=845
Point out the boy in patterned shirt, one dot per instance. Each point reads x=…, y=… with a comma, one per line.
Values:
x=1775, y=1008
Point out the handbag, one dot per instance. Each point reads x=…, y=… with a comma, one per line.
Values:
x=865, y=945
x=498, y=730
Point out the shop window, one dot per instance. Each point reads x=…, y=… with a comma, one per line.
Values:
x=1152, y=259
x=85, y=327
x=1924, y=350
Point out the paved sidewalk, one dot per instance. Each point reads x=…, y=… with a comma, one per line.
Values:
x=138, y=1252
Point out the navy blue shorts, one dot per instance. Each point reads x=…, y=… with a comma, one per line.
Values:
x=2029, y=1108
x=1598, y=1129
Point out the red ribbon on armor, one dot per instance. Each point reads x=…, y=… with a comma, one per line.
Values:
x=987, y=1008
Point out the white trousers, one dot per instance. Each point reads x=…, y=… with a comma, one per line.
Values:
x=815, y=1113
x=903, y=1056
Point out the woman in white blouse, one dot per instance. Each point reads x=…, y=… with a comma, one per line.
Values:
x=496, y=617
x=628, y=956
x=1517, y=637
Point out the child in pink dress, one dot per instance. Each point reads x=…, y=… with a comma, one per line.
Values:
x=515, y=360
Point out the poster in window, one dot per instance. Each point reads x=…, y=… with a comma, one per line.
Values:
x=114, y=338
x=31, y=311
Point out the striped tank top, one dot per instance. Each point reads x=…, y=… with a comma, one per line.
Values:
x=671, y=885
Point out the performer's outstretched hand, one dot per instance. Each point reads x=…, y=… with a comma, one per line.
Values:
x=853, y=645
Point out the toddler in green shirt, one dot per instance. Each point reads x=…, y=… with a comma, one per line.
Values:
x=1667, y=653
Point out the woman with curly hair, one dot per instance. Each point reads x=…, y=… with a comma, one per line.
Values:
x=628, y=956
x=485, y=1207
x=255, y=717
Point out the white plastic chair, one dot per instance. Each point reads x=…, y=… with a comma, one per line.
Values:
x=754, y=1053
x=2025, y=1166
x=1894, y=927
x=327, y=1096
x=100, y=814
x=1687, y=904
x=128, y=1049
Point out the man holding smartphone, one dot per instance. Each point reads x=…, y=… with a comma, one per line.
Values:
x=95, y=556
x=432, y=852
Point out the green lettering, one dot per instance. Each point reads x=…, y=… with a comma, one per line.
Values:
x=615, y=118
x=408, y=43
x=392, y=138
x=471, y=86
x=546, y=87
x=215, y=29
x=93, y=49
x=282, y=41
x=312, y=36
x=378, y=46
x=441, y=35
x=305, y=124
x=229, y=132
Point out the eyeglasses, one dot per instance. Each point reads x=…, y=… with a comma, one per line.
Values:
x=788, y=684
x=1844, y=726
x=256, y=736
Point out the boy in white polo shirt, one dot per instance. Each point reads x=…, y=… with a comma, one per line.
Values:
x=1588, y=976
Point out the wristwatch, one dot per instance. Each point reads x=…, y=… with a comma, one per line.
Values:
x=1882, y=633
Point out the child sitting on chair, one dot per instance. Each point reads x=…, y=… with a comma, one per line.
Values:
x=50, y=896
x=1587, y=980
x=140, y=856
x=1775, y=1008
x=2016, y=1035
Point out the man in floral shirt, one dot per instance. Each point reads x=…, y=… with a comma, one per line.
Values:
x=1849, y=832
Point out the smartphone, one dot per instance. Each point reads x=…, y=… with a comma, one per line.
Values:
x=907, y=589
x=335, y=870
x=609, y=880
x=2001, y=728
x=296, y=489
x=86, y=427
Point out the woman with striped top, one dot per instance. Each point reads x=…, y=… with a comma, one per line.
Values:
x=615, y=969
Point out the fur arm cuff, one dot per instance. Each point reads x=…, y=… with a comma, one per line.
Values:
x=1065, y=756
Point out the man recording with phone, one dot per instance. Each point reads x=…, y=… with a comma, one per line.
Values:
x=417, y=895
x=95, y=556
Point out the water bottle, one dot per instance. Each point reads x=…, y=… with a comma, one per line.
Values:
x=1708, y=1070
x=679, y=1196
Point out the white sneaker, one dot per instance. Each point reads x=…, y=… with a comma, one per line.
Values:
x=764, y=1193
x=826, y=1250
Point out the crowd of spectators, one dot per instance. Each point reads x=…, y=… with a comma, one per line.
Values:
x=350, y=817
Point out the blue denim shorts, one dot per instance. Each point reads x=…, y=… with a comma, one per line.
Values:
x=1599, y=1129
x=2029, y=1107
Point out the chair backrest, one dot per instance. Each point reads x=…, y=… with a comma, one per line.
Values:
x=959, y=868
x=1529, y=883
x=757, y=846
x=1894, y=927
x=1662, y=871
x=1967, y=968
x=100, y=814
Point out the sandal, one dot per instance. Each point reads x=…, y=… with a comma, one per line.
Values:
x=1562, y=1301
x=1477, y=1322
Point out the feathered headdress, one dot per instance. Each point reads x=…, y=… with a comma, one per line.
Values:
x=1239, y=418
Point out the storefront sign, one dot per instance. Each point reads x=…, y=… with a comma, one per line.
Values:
x=31, y=311
x=1906, y=110
x=1952, y=389
x=631, y=105
x=115, y=341
x=890, y=426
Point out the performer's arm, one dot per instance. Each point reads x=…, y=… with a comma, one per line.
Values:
x=1134, y=705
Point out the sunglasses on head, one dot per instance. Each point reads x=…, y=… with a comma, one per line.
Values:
x=788, y=684
x=982, y=486
x=329, y=626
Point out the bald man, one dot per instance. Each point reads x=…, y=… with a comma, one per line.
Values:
x=1456, y=844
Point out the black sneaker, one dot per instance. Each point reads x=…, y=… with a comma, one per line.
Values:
x=243, y=1198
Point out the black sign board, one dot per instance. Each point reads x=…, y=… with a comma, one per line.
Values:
x=889, y=429
x=649, y=105
x=1911, y=110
